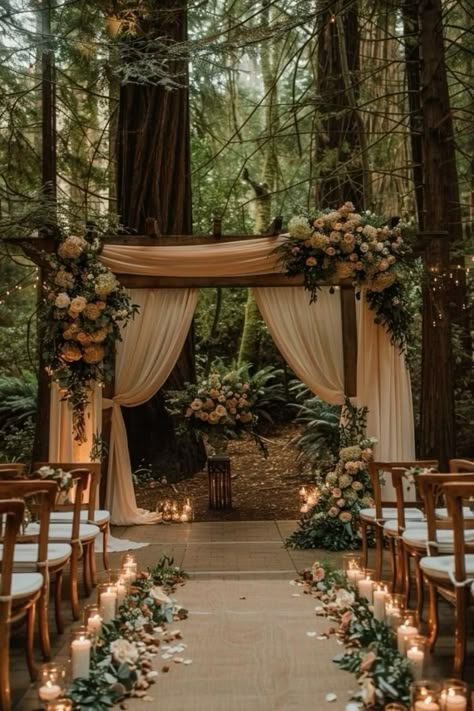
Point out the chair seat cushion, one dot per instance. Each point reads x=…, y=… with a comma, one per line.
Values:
x=389, y=512
x=391, y=527
x=26, y=555
x=25, y=584
x=101, y=517
x=63, y=531
x=418, y=537
x=439, y=567
x=467, y=513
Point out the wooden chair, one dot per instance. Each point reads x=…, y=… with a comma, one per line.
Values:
x=81, y=537
x=375, y=518
x=415, y=538
x=451, y=576
x=33, y=551
x=19, y=593
x=12, y=470
x=90, y=514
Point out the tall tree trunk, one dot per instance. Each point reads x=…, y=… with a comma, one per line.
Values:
x=441, y=213
x=339, y=171
x=153, y=180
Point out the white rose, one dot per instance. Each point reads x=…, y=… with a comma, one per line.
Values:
x=62, y=300
x=299, y=228
x=344, y=598
x=123, y=651
x=158, y=596
x=78, y=304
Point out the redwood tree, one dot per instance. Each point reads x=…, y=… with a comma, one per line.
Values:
x=153, y=181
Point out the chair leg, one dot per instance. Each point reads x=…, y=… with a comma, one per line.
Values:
x=400, y=560
x=105, y=542
x=460, y=630
x=58, y=599
x=420, y=588
x=5, y=702
x=86, y=550
x=433, y=624
x=378, y=534
x=407, y=574
x=92, y=565
x=30, y=636
x=365, y=546
x=393, y=562
x=73, y=582
x=43, y=626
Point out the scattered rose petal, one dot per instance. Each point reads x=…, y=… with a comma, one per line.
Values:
x=165, y=669
x=166, y=656
x=322, y=636
x=311, y=634
x=188, y=661
x=178, y=660
x=331, y=697
x=296, y=595
x=242, y=597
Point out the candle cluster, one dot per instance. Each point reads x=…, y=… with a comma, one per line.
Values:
x=173, y=512
x=309, y=497
x=449, y=695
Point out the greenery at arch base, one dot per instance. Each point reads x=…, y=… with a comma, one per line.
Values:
x=342, y=489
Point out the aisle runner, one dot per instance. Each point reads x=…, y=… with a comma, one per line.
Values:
x=256, y=645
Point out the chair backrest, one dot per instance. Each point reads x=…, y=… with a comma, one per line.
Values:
x=12, y=470
x=455, y=493
x=402, y=486
x=12, y=512
x=375, y=469
x=89, y=496
x=461, y=465
x=42, y=495
x=431, y=486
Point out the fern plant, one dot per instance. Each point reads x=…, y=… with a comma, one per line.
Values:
x=17, y=399
x=319, y=440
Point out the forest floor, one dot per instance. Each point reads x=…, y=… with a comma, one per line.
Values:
x=262, y=489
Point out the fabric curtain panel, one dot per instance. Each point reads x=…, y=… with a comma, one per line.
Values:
x=383, y=385
x=62, y=445
x=150, y=348
x=309, y=336
x=252, y=256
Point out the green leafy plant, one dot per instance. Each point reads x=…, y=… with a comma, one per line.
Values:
x=17, y=399
x=319, y=440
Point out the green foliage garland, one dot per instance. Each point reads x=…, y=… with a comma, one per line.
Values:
x=345, y=244
x=84, y=309
x=342, y=491
x=371, y=653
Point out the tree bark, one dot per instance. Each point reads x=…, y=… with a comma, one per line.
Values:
x=441, y=212
x=338, y=157
x=153, y=180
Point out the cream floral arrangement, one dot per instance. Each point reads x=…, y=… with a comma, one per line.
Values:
x=345, y=244
x=85, y=307
x=63, y=479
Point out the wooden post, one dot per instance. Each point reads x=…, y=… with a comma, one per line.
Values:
x=349, y=341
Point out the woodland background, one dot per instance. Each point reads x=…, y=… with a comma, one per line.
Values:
x=114, y=112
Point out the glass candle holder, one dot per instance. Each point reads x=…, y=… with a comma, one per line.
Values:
x=129, y=566
x=395, y=706
x=406, y=631
x=51, y=681
x=425, y=695
x=417, y=654
x=80, y=653
x=92, y=620
x=380, y=592
x=60, y=705
x=175, y=515
x=107, y=601
x=351, y=565
x=454, y=695
x=188, y=509
x=120, y=580
x=394, y=609
x=365, y=584
x=167, y=511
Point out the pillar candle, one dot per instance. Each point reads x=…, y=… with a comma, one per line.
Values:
x=454, y=701
x=80, y=658
x=404, y=633
x=94, y=624
x=108, y=603
x=365, y=588
x=49, y=691
x=354, y=575
x=121, y=591
x=427, y=704
x=379, y=604
x=416, y=657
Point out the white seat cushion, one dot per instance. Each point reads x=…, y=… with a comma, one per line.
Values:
x=26, y=554
x=466, y=511
x=438, y=567
x=391, y=527
x=369, y=514
x=63, y=531
x=418, y=537
x=100, y=516
x=25, y=584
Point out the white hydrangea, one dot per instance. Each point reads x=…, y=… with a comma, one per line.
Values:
x=105, y=284
x=299, y=227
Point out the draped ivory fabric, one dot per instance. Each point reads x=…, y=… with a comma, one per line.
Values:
x=252, y=256
x=383, y=385
x=151, y=345
x=309, y=336
x=62, y=446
